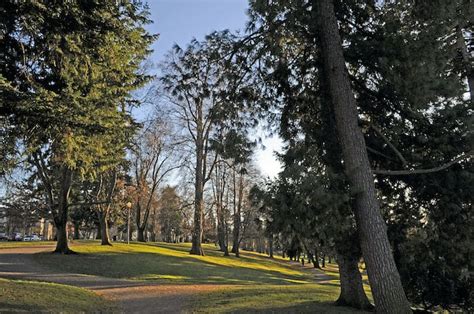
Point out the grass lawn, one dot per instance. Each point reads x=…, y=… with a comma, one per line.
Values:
x=307, y=298
x=252, y=282
x=14, y=244
x=31, y=296
x=172, y=263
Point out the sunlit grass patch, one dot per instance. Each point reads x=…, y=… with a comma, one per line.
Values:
x=308, y=298
x=31, y=296
x=165, y=262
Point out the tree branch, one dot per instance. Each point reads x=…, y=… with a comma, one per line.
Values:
x=422, y=171
x=395, y=150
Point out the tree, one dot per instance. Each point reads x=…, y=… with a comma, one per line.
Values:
x=152, y=161
x=170, y=215
x=383, y=274
x=65, y=80
x=194, y=80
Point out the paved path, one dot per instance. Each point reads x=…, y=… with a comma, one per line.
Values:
x=132, y=296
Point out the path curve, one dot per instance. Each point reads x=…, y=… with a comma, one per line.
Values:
x=131, y=296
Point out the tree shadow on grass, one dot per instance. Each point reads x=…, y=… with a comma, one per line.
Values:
x=163, y=268
x=305, y=307
x=10, y=307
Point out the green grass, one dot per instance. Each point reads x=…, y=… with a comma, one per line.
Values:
x=31, y=296
x=308, y=298
x=252, y=282
x=172, y=263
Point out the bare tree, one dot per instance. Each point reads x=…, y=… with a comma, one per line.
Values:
x=152, y=161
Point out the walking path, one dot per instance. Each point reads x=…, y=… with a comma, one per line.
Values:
x=132, y=296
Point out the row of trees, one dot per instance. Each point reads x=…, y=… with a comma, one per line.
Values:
x=360, y=89
x=373, y=100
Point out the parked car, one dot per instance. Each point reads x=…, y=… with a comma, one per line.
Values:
x=3, y=236
x=35, y=237
x=27, y=238
x=17, y=237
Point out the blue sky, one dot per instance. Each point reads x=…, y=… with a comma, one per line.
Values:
x=179, y=21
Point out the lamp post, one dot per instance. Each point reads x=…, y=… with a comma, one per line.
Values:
x=129, y=205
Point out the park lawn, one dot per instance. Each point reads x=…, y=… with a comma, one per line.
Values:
x=32, y=296
x=307, y=298
x=252, y=282
x=172, y=263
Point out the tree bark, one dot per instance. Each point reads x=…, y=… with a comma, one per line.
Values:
x=385, y=281
x=465, y=58
x=76, y=230
x=98, y=236
x=141, y=234
x=219, y=194
x=61, y=236
x=352, y=290
x=196, y=246
x=270, y=245
x=316, y=259
x=104, y=229
x=237, y=217
x=60, y=219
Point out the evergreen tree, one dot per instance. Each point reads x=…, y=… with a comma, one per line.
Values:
x=66, y=74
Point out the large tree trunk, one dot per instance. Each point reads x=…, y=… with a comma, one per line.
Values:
x=384, y=277
x=466, y=60
x=221, y=234
x=104, y=229
x=196, y=247
x=76, y=235
x=352, y=290
x=141, y=234
x=98, y=235
x=60, y=219
x=316, y=258
x=237, y=217
x=270, y=245
x=61, y=236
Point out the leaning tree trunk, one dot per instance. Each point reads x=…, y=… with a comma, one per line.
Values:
x=384, y=278
x=104, y=229
x=352, y=290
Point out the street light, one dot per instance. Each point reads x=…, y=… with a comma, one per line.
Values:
x=129, y=205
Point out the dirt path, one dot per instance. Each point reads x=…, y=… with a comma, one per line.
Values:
x=132, y=296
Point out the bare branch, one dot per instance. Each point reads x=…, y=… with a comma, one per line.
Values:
x=395, y=150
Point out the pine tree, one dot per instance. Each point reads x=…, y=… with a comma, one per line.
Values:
x=66, y=76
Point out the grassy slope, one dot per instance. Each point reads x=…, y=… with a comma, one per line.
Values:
x=32, y=296
x=258, y=283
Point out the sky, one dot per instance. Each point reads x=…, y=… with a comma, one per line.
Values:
x=179, y=21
